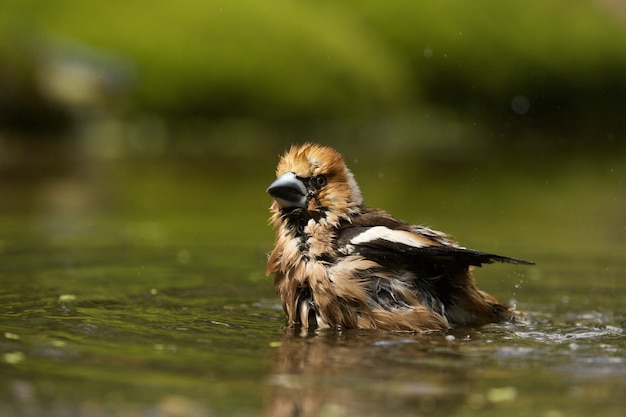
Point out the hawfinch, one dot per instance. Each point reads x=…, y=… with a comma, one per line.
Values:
x=338, y=263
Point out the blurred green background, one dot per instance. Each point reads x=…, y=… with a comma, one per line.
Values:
x=432, y=74
x=137, y=140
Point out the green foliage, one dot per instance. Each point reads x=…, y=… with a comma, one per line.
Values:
x=558, y=54
x=271, y=59
x=284, y=60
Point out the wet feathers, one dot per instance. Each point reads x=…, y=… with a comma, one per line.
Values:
x=339, y=263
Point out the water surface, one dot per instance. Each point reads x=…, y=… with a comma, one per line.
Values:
x=136, y=288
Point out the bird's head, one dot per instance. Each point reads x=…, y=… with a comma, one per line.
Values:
x=313, y=181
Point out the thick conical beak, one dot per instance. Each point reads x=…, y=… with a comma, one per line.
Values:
x=288, y=191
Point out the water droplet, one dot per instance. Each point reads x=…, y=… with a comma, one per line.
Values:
x=520, y=104
x=183, y=256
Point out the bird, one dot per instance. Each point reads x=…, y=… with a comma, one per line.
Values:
x=338, y=263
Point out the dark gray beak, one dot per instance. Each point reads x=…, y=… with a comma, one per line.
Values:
x=288, y=191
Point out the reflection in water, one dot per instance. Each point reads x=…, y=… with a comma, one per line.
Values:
x=485, y=370
x=127, y=291
x=362, y=373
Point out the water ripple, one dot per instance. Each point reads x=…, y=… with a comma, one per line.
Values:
x=565, y=336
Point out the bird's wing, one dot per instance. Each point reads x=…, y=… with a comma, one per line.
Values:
x=398, y=243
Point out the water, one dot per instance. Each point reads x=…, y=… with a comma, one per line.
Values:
x=136, y=288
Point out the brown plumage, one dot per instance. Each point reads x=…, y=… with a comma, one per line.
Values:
x=338, y=263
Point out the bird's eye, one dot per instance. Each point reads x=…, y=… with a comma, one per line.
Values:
x=318, y=181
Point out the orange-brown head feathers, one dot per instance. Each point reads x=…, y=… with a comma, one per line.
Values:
x=314, y=179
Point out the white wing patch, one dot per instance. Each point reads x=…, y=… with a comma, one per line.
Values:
x=390, y=235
